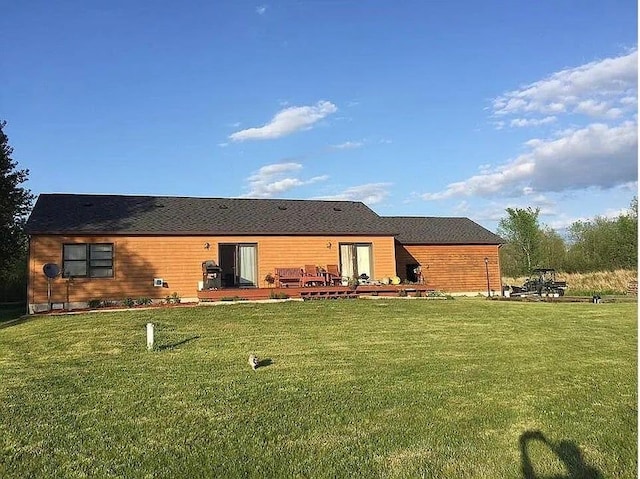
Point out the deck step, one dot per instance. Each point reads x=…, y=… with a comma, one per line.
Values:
x=327, y=294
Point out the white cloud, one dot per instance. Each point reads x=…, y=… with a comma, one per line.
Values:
x=598, y=109
x=520, y=122
x=611, y=79
x=370, y=193
x=276, y=179
x=223, y=145
x=348, y=145
x=260, y=10
x=563, y=222
x=581, y=153
x=629, y=100
x=287, y=121
x=461, y=208
x=595, y=156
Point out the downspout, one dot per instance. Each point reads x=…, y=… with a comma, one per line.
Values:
x=500, y=269
x=29, y=294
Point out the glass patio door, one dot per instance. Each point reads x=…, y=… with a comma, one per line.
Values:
x=239, y=263
x=355, y=260
x=247, y=265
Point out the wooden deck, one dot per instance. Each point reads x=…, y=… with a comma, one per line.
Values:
x=311, y=292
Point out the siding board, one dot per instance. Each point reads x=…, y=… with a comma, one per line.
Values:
x=453, y=268
x=178, y=260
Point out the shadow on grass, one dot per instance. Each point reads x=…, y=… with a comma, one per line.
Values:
x=264, y=363
x=14, y=322
x=567, y=451
x=12, y=312
x=163, y=347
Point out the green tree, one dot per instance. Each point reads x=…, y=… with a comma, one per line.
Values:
x=605, y=244
x=628, y=236
x=15, y=204
x=521, y=229
x=553, y=249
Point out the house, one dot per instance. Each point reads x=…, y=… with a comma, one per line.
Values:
x=115, y=246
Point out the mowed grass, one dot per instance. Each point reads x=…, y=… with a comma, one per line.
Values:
x=386, y=388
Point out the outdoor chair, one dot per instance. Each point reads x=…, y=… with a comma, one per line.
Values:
x=312, y=276
x=333, y=275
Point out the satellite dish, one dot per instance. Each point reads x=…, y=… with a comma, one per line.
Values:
x=51, y=270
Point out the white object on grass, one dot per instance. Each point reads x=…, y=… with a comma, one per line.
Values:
x=253, y=361
x=149, y=336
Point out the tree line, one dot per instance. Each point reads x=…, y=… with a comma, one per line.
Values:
x=600, y=244
x=15, y=204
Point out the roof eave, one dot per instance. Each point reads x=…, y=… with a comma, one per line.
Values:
x=199, y=233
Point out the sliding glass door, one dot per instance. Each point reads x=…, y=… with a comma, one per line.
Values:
x=356, y=260
x=239, y=264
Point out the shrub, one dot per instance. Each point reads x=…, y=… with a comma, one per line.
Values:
x=128, y=302
x=95, y=303
x=143, y=301
x=232, y=298
x=440, y=294
x=174, y=298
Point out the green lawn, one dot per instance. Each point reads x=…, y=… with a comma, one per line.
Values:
x=380, y=388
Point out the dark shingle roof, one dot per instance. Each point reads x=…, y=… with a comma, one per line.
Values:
x=94, y=214
x=435, y=230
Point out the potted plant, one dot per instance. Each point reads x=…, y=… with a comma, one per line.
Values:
x=353, y=283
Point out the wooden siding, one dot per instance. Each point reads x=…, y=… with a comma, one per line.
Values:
x=178, y=259
x=453, y=268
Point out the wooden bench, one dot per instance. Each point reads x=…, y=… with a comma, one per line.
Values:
x=287, y=276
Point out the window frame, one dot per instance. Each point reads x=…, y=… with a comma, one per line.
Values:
x=90, y=261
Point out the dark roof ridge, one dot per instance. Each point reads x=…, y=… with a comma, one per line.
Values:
x=427, y=217
x=234, y=198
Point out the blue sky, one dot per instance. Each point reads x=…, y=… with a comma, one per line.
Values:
x=417, y=108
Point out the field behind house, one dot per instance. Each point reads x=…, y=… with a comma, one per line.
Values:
x=464, y=388
x=599, y=282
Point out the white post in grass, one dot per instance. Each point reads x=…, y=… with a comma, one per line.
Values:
x=149, y=336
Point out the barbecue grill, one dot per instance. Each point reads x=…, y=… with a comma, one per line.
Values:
x=211, y=275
